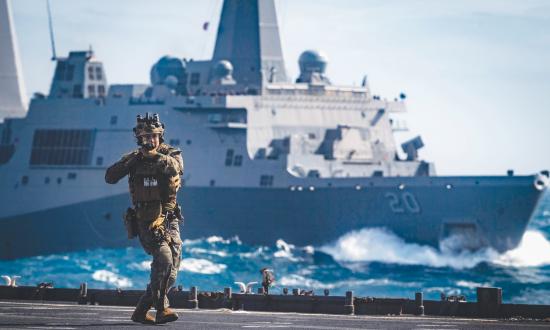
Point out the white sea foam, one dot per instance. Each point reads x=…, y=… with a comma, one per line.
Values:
x=375, y=244
x=212, y=240
x=201, y=266
x=309, y=249
x=284, y=246
x=470, y=284
x=306, y=271
x=82, y=263
x=107, y=276
x=144, y=265
x=285, y=250
x=219, y=239
x=531, y=296
x=533, y=251
x=260, y=251
x=205, y=251
x=189, y=242
x=295, y=280
x=446, y=289
x=216, y=239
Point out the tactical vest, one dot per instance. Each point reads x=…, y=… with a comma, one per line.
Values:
x=145, y=185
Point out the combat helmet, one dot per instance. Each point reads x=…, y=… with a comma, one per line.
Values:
x=148, y=125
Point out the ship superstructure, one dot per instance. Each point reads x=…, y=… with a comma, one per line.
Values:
x=266, y=158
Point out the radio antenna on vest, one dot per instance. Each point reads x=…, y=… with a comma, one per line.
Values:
x=52, y=39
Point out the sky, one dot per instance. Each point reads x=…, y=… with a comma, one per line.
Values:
x=476, y=73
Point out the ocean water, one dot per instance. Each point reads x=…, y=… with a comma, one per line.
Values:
x=371, y=262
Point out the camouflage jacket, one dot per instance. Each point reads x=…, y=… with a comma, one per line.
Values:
x=150, y=178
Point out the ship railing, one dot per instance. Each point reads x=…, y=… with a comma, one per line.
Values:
x=317, y=90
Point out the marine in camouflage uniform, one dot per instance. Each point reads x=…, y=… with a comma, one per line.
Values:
x=154, y=172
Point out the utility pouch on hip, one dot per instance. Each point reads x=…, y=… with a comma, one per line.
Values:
x=178, y=214
x=130, y=222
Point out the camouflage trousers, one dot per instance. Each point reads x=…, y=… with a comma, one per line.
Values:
x=164, y=244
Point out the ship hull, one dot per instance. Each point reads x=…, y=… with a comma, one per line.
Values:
x=491, y=215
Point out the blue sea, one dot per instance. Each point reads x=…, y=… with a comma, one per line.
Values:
x=371, y=262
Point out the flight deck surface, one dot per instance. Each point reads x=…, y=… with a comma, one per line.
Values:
x=53, y=315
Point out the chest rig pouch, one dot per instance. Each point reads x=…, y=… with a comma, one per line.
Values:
x=144, y=183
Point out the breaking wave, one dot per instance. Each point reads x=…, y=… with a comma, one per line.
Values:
x=533, y=251
x=380, y=245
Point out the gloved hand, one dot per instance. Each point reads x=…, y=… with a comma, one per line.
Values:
x=133, y=158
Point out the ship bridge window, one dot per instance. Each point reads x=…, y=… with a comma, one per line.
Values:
x=101, y=90
x=62, y=147
x=313, y=174
x=266, y=180
x=174, y=142
x=238, y=161
x=378, y=173
x=71, y=175
x=6, y=152
x=229, y=157
x=91, y=90
x=98, y=73
x=91, y=75
x=99, y=161
x=215, y=118
x=195, y=78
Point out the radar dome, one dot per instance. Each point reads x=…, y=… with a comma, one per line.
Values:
x=171, y=82
x=313, y=61
x=165, y=67
x=223, y=68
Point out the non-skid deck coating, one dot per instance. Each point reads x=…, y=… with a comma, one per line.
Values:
x=37, y=315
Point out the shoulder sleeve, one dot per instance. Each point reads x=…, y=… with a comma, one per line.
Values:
x=121, y=168
x=172, y=158
x=178, y=156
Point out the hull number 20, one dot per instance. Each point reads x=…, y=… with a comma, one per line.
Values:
x=404, y=202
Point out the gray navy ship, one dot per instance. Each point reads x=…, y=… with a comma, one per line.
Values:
x=266, y=158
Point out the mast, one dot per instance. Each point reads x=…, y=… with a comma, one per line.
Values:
x=12, y=88
x=248, y=37
x=50, y=25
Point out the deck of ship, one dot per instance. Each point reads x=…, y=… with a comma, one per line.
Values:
x=54, y=315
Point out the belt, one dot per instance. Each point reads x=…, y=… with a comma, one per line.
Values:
x=146, y=204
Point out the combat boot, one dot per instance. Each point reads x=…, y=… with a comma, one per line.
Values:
x=166, y=315
x=142, y=316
